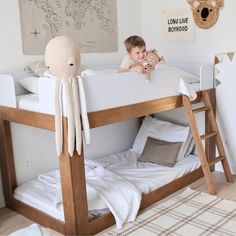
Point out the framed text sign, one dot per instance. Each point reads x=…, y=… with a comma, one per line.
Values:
x=177, y=26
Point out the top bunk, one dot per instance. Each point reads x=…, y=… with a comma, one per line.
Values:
x=110, y=96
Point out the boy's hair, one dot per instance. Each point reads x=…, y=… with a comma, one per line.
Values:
x=134, y=41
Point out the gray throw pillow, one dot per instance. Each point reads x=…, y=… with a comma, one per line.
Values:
x=160, y=152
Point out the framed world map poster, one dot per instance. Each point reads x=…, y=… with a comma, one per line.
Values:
x=92, y=23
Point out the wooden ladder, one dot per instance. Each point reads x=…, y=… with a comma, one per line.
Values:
x=207, y=163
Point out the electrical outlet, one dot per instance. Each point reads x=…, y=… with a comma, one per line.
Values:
x=28, y=163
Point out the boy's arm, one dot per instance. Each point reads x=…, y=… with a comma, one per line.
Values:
x=136, y=68
x=123, y=70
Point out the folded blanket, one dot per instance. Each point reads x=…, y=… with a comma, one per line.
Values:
x=51, y=178
x=187, y=89
x=106, y=188
x=121, y=197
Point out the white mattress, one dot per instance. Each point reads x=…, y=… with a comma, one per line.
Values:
x=28, y=102
x=145, y=176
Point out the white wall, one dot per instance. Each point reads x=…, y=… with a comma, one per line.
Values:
x=219, y=38
x=11, y=54
x=12, y=59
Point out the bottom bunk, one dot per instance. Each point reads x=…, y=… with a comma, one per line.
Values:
x=44, y=192
x=106, y=220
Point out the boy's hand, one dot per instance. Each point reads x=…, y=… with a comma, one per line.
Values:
x=137, y=68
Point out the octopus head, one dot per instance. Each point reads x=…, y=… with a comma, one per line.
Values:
x=62, y=57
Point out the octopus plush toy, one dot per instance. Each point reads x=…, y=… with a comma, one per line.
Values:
x=151, y=60
x=62, y=57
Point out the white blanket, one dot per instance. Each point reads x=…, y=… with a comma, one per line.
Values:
x=116, y=193
x=187, y=89
x=121, y=197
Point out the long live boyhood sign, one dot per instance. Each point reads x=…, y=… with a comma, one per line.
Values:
x=177, y=26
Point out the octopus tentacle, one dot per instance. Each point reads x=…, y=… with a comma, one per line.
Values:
x=58, y=117
x=71, y=123
x=83, y=110
x=75, y=94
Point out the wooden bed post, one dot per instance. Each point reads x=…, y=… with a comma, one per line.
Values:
x=73, y=185
x=210, y=144
x=7, y=161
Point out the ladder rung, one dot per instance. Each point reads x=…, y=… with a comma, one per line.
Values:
x=215, y=160
x=201, y=109
x=206, y=136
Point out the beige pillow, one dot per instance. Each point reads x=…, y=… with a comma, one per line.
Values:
x=37, y=68
x=160, y=152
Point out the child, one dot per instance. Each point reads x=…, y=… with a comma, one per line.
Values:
x=136, y=48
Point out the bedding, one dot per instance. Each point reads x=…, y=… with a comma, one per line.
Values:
x=145, y=177
x=30, y=83
x=28, y=102
x=160, y=152
x=163, y=130
x=37, y=67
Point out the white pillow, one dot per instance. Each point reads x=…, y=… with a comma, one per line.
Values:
x=30, y=84
x=37, y=67
x=163, y=130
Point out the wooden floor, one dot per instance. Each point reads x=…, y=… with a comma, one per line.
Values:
x=11, y=221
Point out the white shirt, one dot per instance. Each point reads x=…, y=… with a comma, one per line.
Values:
x=127, y=63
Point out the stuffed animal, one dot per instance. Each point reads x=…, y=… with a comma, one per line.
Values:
x=151, y=60
x=62, y=57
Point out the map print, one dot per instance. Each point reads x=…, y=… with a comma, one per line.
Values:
x=92, y=23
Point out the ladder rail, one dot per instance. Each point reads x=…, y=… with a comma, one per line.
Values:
x=213, y=132
x=219, y=142
x=198, y=143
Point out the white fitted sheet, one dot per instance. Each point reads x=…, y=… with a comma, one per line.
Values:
x=144, y=176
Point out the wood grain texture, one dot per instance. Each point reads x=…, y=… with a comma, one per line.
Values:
x=7, y=161
x=30, y=118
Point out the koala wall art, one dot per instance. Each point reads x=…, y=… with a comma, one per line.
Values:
x=205, y=12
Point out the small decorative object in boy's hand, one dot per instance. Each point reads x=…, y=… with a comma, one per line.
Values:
x=151, y=60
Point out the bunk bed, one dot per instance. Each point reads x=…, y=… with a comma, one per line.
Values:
x=72, y=171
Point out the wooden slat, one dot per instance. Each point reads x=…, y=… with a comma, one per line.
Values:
x=109, y=116
x=30, y=118
x=215, y=160
x=207, y=136
x=37, y=216
x=201, y=109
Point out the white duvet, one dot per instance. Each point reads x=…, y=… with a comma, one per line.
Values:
x=115, y=182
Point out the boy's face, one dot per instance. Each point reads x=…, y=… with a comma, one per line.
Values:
x=137, y=54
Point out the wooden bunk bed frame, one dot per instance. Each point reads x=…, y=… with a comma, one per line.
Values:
x=72, y=168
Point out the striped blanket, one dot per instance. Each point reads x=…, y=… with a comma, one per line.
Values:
x=189, y=213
